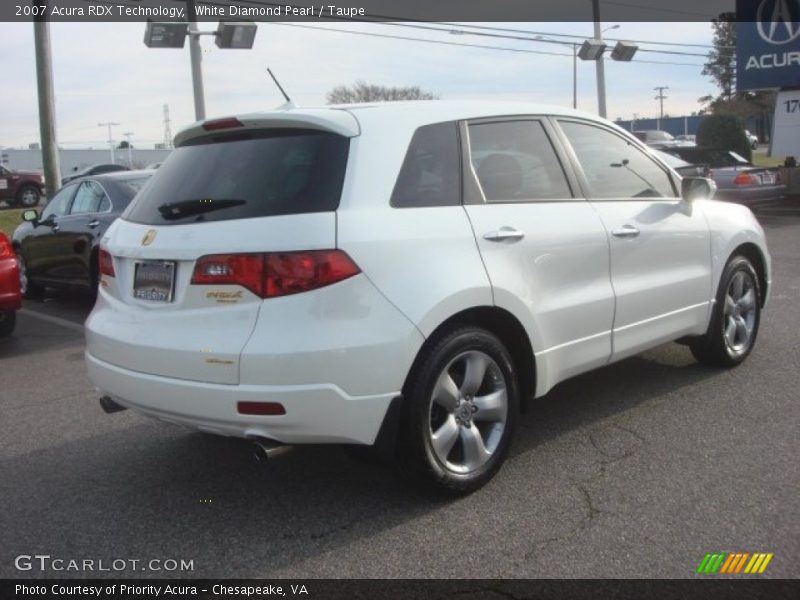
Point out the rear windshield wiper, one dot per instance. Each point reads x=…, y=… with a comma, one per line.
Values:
x=190, y=208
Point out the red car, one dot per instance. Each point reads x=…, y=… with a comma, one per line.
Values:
x=10, y=295
x=21, y=188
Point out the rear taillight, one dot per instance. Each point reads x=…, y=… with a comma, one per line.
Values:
x=6, y=251
x=745, y=179
x=105, y=263
x=246, y=270
x=275, y=273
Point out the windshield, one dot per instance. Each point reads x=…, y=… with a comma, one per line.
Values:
x=244, y=175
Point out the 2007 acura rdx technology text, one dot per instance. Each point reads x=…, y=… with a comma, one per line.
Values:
x=404, y=275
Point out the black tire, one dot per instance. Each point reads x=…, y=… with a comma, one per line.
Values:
x=30, y=289
x=420, y=414
x=715, y=348
x=8, y=320
x=28, y=196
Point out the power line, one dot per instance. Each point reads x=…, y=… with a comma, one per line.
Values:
x=530, y=39
x=405, y=22
x=462, y=44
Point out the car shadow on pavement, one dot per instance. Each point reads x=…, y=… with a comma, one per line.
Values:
x=149, y=488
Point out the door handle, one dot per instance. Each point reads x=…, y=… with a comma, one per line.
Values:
x=93, y=224
x=503, y=234
x=626, y=231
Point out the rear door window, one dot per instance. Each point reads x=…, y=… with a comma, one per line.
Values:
x=245, y=175
x=515, y=162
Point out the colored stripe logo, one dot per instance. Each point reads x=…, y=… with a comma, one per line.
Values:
x=734, y=563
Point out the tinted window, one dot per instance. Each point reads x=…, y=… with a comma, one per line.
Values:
x=613, y=166
x=59, y=203
x=88, y=198
x=239, y=176
x=431, y=171
x=515, y=161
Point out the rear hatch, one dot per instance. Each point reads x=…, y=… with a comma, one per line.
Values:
x=188, y=253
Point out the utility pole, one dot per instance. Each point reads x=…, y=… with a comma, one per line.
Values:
x=600, y=68
x=196, y=57
x=574, y=75
x=660, y=89
x=47, y=110
x=128, y=135
x=109, y=124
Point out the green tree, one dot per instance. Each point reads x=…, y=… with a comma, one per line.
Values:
x=362, y=91
x=724, y=132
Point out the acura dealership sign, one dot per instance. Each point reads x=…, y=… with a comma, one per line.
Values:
x=767, y=44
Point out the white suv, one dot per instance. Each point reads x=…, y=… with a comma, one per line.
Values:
x=404, y=275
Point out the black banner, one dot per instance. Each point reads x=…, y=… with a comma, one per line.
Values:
x=363, y=10
x=397, y=589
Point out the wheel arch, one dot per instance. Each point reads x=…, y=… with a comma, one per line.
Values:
x=505, y=326
x=754, y=254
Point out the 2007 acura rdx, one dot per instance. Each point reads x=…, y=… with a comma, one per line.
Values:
x=402, y=275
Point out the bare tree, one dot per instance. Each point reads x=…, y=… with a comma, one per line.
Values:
x=361, y=91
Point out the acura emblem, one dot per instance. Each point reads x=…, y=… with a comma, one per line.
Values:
x=779, y=21
x=149, y=237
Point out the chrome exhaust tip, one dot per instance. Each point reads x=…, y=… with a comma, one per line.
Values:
x=265, y=449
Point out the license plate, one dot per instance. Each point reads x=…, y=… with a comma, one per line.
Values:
x=769, y=178
x=154, y=281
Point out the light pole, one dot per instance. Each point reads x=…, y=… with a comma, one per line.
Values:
x=128, y=135
x=173, y=35
x=599, y=65
x=110, y=124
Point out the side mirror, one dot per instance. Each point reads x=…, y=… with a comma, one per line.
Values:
x=31, y=216
x=697, y=188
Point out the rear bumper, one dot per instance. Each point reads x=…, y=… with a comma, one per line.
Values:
x=315, y=414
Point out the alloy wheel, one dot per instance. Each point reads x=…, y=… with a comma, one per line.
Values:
x=468, y=412
x=740, y=313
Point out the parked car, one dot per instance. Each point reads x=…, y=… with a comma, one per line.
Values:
x=737, y=179
x=10, y=296
x=21, y=188
x=656, y=136
x=93, y=170
x=690, y=138
x=59, y=248
x=389, y=276
x=753, y=139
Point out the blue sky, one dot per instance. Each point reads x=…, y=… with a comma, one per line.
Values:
x=104, y=72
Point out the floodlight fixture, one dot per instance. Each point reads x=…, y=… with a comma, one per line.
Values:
x=238, y=36
x=592, y=49
x=624, y=51
x=165, y=35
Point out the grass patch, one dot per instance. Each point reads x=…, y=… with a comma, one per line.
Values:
x=9, y=219
x=760, y=159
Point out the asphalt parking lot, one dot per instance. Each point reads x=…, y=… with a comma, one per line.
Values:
x=635, y=470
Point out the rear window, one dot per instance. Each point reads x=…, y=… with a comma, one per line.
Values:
x=241, y=176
